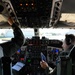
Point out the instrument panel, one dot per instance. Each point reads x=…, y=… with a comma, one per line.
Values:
x=30, y=54
x=33, y=13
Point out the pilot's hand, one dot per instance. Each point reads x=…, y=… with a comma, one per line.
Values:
x=10, y=21
x=43, y=64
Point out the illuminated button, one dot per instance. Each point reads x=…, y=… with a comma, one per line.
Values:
x=21, y=58
x=32, y=4
x=26, y=4
x=29, y=60
x=21, y=4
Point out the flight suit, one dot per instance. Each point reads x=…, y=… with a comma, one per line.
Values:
x=7, y=49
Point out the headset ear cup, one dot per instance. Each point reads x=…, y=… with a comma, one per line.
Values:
x=68, y=41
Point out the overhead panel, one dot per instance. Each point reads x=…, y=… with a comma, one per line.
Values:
x=33, y=13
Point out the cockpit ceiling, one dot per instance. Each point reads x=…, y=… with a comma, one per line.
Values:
x=30, y=13
x=67, y=19
x=33, y=13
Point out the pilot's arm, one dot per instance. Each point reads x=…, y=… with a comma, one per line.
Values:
x=48, y=69
x=10, y=47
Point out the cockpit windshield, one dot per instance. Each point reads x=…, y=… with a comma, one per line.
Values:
x=50, y=33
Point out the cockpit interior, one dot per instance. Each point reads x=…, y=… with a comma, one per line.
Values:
x=44, y=24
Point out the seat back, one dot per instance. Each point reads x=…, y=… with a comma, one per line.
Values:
x=64, y=66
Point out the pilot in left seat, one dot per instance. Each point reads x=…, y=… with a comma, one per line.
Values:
x=7, y=49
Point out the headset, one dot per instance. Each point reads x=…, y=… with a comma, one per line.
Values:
x=68, y=41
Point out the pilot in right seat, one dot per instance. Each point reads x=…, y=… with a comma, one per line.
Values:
x=67, y=45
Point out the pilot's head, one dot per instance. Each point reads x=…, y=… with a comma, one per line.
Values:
x=68, y=41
